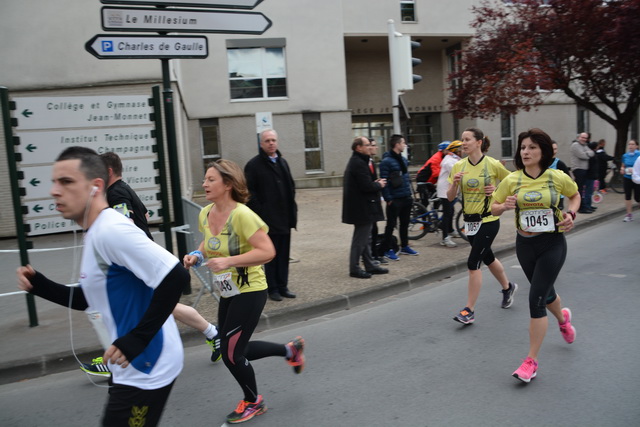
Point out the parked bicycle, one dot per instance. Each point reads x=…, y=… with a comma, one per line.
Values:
x=615, y=181
x=423, y=220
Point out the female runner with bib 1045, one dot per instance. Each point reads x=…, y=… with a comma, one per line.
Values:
x=475, y=176
x=534, y=192
x=237, y=245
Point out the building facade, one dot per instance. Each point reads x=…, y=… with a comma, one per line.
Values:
x=321, y=70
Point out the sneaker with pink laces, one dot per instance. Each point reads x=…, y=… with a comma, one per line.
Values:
x=297, y=357
x=566, y=329
x=527, y=371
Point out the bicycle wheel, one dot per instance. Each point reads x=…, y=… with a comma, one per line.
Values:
x=615, y=183
x=460, y=225
x=417, y=221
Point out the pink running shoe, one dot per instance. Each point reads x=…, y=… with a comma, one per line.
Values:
x=568, y=332
x=527, y=371
x=297, y=357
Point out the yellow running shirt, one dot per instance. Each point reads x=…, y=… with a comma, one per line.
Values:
x=233, y=240
x=487, y=172
x=535, y=196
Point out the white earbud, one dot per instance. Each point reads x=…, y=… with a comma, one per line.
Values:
x=94, y=189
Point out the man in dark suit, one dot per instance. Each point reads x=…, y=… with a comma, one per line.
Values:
x=361, y=207
x=273, y=193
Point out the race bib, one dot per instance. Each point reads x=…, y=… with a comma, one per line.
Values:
x=471, y=228
x=225, y=284
x=537, y=220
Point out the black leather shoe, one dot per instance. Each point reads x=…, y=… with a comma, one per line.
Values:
x=378, y=270
x=585, y=211
x=360, y=274
x=275, y=296
x=287, y=294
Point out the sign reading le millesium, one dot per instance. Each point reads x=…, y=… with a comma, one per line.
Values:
x=183, y=21
x=82, y=111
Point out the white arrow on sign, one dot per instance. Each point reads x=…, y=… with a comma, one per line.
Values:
x=183, y=21
x=105, y=46
x=216, y=4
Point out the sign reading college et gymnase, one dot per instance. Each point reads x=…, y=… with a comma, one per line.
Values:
x=183, y=21
x=216, y=4
x=105, y=46
x=82, y=111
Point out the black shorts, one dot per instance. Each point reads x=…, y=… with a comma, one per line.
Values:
x=132, y=406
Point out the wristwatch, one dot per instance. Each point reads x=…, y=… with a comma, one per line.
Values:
x=573, y=214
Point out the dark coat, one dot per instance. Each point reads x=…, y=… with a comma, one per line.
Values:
x=273, y=192
x=388, y=167
x=361, y=194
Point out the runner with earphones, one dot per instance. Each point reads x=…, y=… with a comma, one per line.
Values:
x=134, y=285
x=122, y=198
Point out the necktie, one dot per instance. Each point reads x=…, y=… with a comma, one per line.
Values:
x=371, y=165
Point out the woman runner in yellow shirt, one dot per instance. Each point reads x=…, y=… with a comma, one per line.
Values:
x=236, y=246
x=534, y=192
x=475, y=176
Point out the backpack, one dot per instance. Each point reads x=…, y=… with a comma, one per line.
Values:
x=378, y=248
x=424, y=174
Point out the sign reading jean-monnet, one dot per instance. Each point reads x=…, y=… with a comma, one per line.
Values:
x=48, y=125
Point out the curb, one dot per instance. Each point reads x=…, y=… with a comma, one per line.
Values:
x=60, y=362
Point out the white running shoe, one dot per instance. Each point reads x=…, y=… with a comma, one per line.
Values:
x=448, y=242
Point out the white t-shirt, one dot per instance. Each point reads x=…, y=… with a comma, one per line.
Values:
x=635, y=176
x=442, y=186
x=120, y=269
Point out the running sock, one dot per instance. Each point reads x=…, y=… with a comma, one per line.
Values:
x=210, y=332
x=289, y=352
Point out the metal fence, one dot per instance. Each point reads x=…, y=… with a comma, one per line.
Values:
x=191, y=211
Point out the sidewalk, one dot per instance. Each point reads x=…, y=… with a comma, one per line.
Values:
x=320, y=279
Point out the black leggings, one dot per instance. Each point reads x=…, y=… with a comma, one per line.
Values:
x=631, y=187
x=481, y=245
x=541, y=258
x=238, y=317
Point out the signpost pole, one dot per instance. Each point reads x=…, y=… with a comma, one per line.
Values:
x=164, y=192
x=174, y=168
x=15, y=193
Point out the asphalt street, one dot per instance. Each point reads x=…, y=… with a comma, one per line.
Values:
x=402, y=360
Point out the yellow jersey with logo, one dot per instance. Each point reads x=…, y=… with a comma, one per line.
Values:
x=536, y=194
x=234, y=240
x=488, y=171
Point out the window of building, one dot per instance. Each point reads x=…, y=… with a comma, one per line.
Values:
x=257, y=72
x=210, y=141
x=375, y=127
x=312, y=142
x=583, y=120
x=507, y=136
x=408, y=10
x=454, y=55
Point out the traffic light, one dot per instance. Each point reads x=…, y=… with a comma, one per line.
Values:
x=402, y=62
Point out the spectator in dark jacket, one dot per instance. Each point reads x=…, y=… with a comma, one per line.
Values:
x=398, y=195
x=361, y=207
x=603, y=163
x=273, y=193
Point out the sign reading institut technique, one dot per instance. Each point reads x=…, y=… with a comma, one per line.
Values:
x=48, y=125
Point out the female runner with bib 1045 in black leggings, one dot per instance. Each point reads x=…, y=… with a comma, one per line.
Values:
x=534, y=192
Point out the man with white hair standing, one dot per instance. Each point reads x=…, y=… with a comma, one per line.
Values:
x=580, y=155
x=273, y=194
